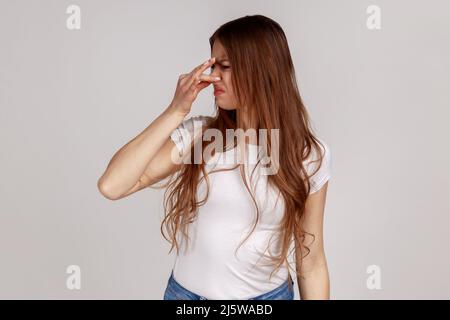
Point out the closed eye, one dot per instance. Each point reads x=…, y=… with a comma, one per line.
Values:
x=223, y=67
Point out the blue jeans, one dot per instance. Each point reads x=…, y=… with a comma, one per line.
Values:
x=176, y=291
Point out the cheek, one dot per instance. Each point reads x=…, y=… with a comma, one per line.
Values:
x=226, y=78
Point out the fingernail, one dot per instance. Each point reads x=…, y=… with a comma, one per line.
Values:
x=207, y=61
x=216, y=78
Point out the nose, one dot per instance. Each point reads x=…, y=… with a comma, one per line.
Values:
x=215, y=73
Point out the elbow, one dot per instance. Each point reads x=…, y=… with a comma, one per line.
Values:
x=107, y=190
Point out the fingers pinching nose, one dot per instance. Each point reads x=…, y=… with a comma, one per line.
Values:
x=209, y=60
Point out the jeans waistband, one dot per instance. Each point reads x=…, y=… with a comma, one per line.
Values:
x=176, y=291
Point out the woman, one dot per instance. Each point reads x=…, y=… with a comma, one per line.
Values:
x=237, y=222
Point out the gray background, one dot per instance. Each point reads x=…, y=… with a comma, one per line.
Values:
x=70, y=99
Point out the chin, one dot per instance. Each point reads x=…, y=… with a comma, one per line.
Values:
x=226, y=106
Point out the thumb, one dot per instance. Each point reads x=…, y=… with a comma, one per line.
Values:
x=202, y=85
x=199, y=87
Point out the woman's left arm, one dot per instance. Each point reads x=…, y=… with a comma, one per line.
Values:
x=315, y=282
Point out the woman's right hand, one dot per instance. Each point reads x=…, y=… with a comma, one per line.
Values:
x=189, y=85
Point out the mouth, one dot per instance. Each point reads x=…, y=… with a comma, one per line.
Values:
x=218, y=91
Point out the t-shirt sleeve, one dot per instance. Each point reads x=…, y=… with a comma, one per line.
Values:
x=318, y=179
x=183, y=135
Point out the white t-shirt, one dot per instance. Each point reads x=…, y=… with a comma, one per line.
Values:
x=209, y=267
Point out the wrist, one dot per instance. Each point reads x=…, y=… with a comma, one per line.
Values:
x=174, y=111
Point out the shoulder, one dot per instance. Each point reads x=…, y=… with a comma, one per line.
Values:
x=191, y=122
x=185, y=132
x=319, y=166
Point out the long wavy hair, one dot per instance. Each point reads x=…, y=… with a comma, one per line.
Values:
x=264, y=82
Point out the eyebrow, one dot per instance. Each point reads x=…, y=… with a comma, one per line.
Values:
x=221, y=60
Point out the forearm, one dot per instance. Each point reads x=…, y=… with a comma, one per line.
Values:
x=129, y=162
x=315, y=284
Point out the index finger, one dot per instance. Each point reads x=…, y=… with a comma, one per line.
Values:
x=201, y=68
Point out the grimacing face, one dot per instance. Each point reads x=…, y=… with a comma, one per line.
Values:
x=222, y=68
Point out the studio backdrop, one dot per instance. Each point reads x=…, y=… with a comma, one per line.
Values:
x=78, y=79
